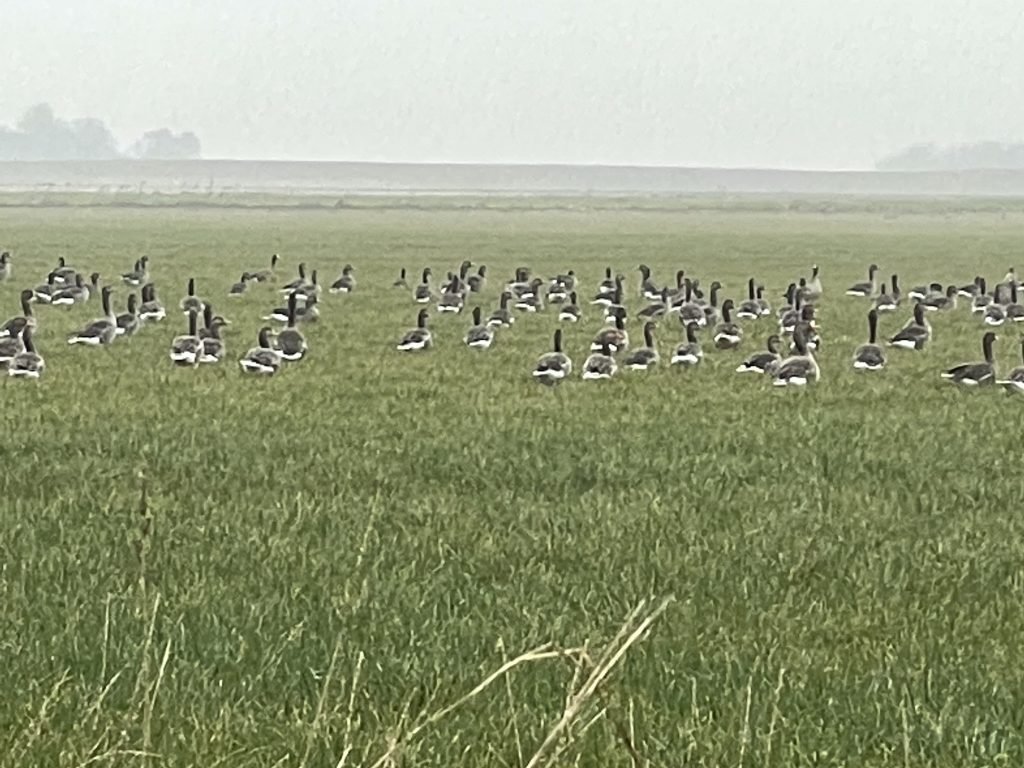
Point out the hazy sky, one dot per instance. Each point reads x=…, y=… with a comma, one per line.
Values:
x=783, y=83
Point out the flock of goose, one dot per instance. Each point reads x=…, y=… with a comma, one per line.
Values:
x=788, y=358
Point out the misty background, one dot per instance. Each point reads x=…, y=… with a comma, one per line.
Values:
x=735, y=83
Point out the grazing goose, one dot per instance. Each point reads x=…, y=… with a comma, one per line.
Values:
x=297, y=283
x=266, y=275
x=942, y=303
x=139, y=274
x=615, y=338
x=915, y=334
x=570, y=313
x=212, y=349
x=763, y=362
x=400, y=282
x=568, y=281
x=600, y=365
x=1014, y=311
x=19, y=323
x=185, y=350
x=552, y=367
x=477, y=282
x=532, y=300
x=309, y=290
x=5, y=266
x=995, y=314
x=241, y=286
x=419, y=338
x=44, y=292
x=868, y=289
x=689, y=352
x=302, y=314
x=644, y=357
x=657, y=310
x=727, y=334
x=799, y=369
x=972, y=289
x=502, y=317
x=749, y=309
x=480, y=336
x=422, y=293
x=128, y=322
x=290, y=341
x=870, y=356
x=921, y=292
x=262, y=359
x=346, y=283
x=975, y=374
x=9, y=347
x=889, y=301
x=73, y=294
x=27, y=364
x=1015, y=381
x=191, y=302
x=309, y=313
x=151, y=311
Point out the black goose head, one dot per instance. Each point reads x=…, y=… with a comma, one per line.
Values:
x=464, y=269
x=264, y=337
x=727, y=311
x=982, y=286
x=788, y=295
x=986, y=345
x=26, y=302
x=401, y=273
x=207, y=315
x=421, y=318
x=558, y=340
x=950, y=291
x=619, y=322
x=645, y=271
x=302, y=270
x=26, y=339
x=919, y=314
x=191, y=286
x=750, y=289
x=680, y=275
x=476, y=315
x=715, y=287
x=572, y=297
x=691, y=333
x=649, y=335
x=132, y=303
x=814, y=271
x=192, y=317
x=872, y=326
x=773, y=344
x=871, y=271
x=292, y=305
x=895, y=283
x=482, y=271
x=312, y=277
x=105, y=297
x=760, y=292
x=426, y=276
x=94, y=278
x=607, y=273
x=273, y=260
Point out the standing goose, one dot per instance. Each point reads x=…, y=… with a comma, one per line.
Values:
x=600, y=365
x=648, y=288
x=975, y=374
x=762, y=302
x=1014, y=311
x=657, y=310
x=889, y=301
x=261, y=359
x=1015, y=381
x=479, y=336
x=212, y=349
x=346, y=283
x=749, y=309
x=308, y=290
x=290, y=341
x=64, y=275
x=502, y=317
x=27, y=364
x=922, y=292
x=266, y=275
x=400, y=282
x=615, y=338
x=972, y=289
x=185, y=349
x=870, y=356
x=983, y=299
x=19, y=323
x=101, y=331
x=477, y=282
x=690, y=311
x=532, y=301
x=868, y=289
x=212, y=324
x=44, y=292
x=552, y=367
x=727, y=334
x=128, y=322
x=139, y=274
x=995, y=314
x=813, y=289
x=191, y=302
x=799, y=369
x=915, y=334
x=790, y=296
x=791, y=317
x=711, y=308
x=151, y=311
x=297, y=283
x=646, y=356
x=570, y=313
x=763, y=362
x=419, y=338
x=453, y=299
x=689, y=352
x=241, y=286
x=941, y=303
x=73, y=294
x=422, y=294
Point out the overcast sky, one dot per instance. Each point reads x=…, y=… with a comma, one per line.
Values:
x=777, y=83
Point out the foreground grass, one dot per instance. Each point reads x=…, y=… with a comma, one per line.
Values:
x=201, y=569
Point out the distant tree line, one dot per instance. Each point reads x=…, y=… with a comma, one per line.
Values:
x=958, y=157
x=41, y=135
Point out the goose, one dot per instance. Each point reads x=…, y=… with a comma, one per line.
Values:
x=128, y=322
x=290, y=341
x=749, y=309
x=310, y=313
x=479, y=336
x=297, y=283
x=995, y=314
x=941, y=303
x=151, y=311
x=212, y=324
x=570, y=313
x=1013, y=310
x=789, y=319
x=422, y=294
x=921, y=292
x=241, y=286
x=419, y=338
x=889, y=301
x=615, y=338
x=568, y=281
x=711, y=308
x=27, y=364
x=63, y=274
x=477, y=282
x=606, y=294
x=19, y=323
x=531, y=301
x=400, y=282
x=870, y=356
x=762, y=302
x=185, y=349
x=600, y=365
x=453, y=300
x=556, y=293
x=1015, y=381
x=44, y=292
x=457, y=283
x=648, y=289
x=520, y=283
x=552, y=367
x=261, y=359
x=615, y=307
x=813, y=289
x=799, y=369
x=73, y=294
x=915, y=334
x=689, y=352
x=982, y=301
x=867, y=289
x=5, y=266
x=975, y=374
x=139, y=274
x=191, y=302
x=212, y=349
x=502, y=317
x=727, y=334
x=266, y=275
x=645, y=357
x=678, y=296
x=809, y=326
x=9, y=347
x=1010, y=277
x=101, y=331
x=972, y=289
x=346, y=283
x=302, y=314
x=690, y=311
x=308, y=290
x=790, y=297
x=657, y=310
x=763, y=362
x=608, y=284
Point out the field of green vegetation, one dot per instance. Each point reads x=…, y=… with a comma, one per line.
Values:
x=377, y=559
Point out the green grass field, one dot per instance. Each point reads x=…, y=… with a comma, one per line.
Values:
x=199, y=568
